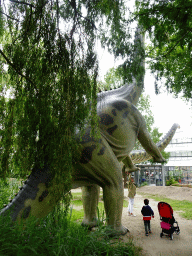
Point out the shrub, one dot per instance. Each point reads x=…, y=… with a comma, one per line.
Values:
x=171, y=181
x=145, y=183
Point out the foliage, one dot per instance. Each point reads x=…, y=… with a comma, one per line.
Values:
x=112, y=79
x=171, y=181
x=4, y=191
x=169, y=24
x=48, y=79
x=174, y=176
x=8, y=188
x=39, y=121
x=49, y=67
x=145, y=183
x=178, y=174
x=144, y=106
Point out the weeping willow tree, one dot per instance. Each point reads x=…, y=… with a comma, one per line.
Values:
x=48, y=78
x=169, y=24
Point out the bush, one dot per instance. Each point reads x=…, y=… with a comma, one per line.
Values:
x=8, y=188
x=4, y=192
x=145, y=183
x=171, y=181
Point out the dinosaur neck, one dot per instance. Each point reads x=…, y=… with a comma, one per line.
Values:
x=139, y=63
x=132, y=91
x=135, y=92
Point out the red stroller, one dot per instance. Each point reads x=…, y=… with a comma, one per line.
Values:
x=168, y=223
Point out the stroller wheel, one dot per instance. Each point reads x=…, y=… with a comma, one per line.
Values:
x=178, y=232
x=161, y=234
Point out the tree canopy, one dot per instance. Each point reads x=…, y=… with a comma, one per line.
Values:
x=169, y=24
x=49, y=69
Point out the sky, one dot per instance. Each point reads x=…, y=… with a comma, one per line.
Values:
x=166, y=109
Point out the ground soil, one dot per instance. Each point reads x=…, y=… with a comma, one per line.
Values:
x=153, y=245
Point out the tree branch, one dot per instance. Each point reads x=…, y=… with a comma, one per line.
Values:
x=9, y=16
x=18, y=72
x=176, y=44
x=19, y=2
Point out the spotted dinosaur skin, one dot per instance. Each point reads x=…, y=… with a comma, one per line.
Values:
x=120, y=124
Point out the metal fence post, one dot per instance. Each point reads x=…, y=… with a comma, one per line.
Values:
x=163, y=174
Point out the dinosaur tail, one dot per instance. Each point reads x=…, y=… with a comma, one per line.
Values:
x=34, y=198
x=139, y=156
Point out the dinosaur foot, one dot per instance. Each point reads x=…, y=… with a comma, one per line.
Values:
x=123, y=230
x=134, y=169
x=111, y=232
x=159, y=160
x=90, y=224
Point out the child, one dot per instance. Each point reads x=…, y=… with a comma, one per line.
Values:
x=147, y=212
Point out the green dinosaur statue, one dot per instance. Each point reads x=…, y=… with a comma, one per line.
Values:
x=99, y=162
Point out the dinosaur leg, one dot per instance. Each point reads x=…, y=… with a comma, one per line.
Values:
x=113, y=201
x=113, y=191
x=149, y=145
x=99, y=165
x=90, y=197
x=129, y=164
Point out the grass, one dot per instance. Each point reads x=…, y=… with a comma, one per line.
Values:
x=77, y=196
x=77, y=202
x=184, y=207
x=58, y=234
x=125, y=203
x=64, y=238
x=77, y=215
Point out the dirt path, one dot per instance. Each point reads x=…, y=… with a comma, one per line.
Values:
x=178, y=193
x=153, y=245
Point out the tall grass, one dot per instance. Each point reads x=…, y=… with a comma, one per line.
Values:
x=59, y=235
x=61, y=238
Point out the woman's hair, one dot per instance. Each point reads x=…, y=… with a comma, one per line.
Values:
x=146, y=201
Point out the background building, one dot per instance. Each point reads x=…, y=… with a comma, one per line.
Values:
x=179, y=166
x=180, y=161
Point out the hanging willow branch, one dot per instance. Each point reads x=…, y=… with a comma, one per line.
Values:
x=17, y=71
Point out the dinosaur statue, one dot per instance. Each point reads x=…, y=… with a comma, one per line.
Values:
x=99, y=162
